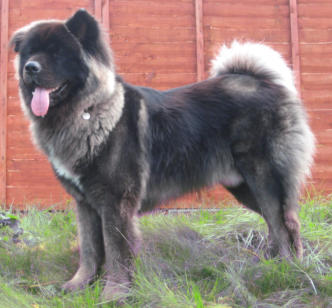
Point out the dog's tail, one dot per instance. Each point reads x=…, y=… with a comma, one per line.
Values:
x=254, y=59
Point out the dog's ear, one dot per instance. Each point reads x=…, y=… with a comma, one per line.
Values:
x=84, y=27
x=16, y=40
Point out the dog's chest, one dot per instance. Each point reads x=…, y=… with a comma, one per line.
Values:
x=63, y=171
x=63, y=150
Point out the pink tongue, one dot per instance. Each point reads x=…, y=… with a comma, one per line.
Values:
x=40, y=102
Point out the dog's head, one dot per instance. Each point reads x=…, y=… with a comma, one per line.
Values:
x=53, y=59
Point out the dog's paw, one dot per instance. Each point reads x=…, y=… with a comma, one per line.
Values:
x=74, y=285
x=115, y=292
x=80, y=280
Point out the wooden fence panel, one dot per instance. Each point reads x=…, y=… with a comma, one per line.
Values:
x=154, y=41
x=263, y=21
x=30, y=179
x=315, y=31
x=164, y=44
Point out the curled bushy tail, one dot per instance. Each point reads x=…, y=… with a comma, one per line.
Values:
x=254, y=59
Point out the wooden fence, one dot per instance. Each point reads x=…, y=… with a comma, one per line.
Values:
x=164, y=44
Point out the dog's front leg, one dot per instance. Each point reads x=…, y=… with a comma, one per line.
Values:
x=90, y=244
x=121, y=240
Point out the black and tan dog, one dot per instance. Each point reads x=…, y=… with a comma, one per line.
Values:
x=120, y=150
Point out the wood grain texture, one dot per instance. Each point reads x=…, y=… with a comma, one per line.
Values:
x=245, y=9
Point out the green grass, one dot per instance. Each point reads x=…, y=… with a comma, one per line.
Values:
x=201, y=259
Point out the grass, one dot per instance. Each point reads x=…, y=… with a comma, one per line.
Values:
x=201, y=259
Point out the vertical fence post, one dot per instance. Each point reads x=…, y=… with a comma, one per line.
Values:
x=3, y=97
x=200, y=65
x=295, y=45
x=97, y=7
x=105, y=15
x=199, y=40
x=102, y=8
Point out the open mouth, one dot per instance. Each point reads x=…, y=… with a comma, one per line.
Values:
x=41, y=98
x=53, y=91
x=58, y=91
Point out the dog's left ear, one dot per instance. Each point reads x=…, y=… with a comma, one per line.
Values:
x=84, y=27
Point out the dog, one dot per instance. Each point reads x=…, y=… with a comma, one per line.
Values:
x=121, y=150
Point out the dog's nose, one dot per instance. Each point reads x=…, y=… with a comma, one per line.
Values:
x=32, y=67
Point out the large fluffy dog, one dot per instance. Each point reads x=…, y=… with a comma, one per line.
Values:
x=119, y=149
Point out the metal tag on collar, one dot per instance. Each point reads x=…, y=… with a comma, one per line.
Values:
x=86, y=115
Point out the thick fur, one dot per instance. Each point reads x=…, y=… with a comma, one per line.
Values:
x=244, y=127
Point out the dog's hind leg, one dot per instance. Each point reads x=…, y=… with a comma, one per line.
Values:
x=261, y=193
x=90, y=245
x=291, y=208
x=293, y=225
x=243, y=194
